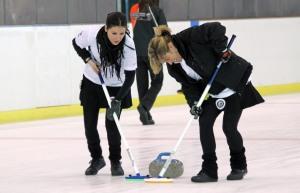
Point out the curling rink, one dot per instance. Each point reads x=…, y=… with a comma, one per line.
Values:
x=50, y=156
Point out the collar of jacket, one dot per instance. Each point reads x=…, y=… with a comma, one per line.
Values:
x=180, y=46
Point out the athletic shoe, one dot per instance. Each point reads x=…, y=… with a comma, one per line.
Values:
x=116, y=169
x=144, y=116
x=95, y=166
x=203, y=177
x=237, y=174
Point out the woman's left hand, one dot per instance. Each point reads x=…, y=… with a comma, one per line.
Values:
x=226, y=56
x=114, y=108
x=94, y=66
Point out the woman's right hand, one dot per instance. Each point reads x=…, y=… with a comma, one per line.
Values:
x=94, y=66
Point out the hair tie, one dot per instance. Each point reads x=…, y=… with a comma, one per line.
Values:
x=165, y=33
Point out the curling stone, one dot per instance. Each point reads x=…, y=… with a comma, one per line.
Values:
x=174, y=170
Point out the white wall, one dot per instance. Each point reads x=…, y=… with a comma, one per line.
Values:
x=271, y=45
x=39, y=67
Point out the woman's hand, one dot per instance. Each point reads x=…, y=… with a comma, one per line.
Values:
x=94, y=66
x=115, y=108
x=196, y=111
x=226, y=55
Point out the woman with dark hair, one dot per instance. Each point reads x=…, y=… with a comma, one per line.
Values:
x=192, y=56
x=143, y=24
x=110, y=51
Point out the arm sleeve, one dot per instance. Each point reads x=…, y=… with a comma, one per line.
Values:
x=129, y=79
x=80, y=43
x=82, y=52
x=192, y=94
x=130, y=58
x=208, y=34
x=192, y=89
x=212, y=34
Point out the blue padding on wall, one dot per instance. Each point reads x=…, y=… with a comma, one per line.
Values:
x=194, y=23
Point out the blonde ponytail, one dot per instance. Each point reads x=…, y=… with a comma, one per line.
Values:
x=158, y=47
x=162, y=30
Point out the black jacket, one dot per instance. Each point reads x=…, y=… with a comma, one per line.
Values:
x=193, y=89
x=201, y=47
x=143, y=30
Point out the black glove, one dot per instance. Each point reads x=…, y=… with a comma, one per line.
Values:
x=196, y=111
x=225, y=56
x=114, y=108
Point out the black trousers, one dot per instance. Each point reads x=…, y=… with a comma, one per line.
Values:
x=92, y=99
x=93, y=140
x=147, y=95
x=231, y=117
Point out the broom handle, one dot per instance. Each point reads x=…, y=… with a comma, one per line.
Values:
x=205, y=92
x=150, y=10
x=119, y=127
x=167, y=163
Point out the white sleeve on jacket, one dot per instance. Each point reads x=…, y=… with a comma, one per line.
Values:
x=82, y=39
x=130, y=58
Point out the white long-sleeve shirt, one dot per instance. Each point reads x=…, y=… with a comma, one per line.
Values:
x=87, y=39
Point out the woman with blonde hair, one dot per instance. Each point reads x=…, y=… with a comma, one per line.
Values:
x=191, y=57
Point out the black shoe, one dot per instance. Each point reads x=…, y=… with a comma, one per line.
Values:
x=116, y=169
x=203, y=177
x=96, y=165
x=144, y=116
x=150, y=119
x=237, y=174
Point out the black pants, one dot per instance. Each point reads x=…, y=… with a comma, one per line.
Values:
x=147, y=95
x=232, y=114
x=93, y=140
x=92, y=99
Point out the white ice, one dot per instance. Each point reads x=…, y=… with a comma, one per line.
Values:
x=50, y=156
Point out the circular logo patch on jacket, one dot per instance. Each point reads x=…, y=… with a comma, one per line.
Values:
x=220, y=104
